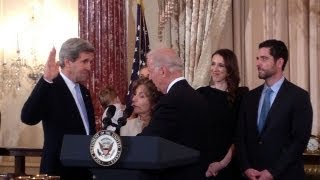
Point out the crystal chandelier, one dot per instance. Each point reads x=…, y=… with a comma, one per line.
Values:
x=28, y=31
x=13, y=73
x=17, y=69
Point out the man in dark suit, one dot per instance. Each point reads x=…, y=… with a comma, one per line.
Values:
x=56, y=101
x=181, y=114
x=275, y=120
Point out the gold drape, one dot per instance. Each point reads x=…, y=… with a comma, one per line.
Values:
x=194, y=29
x=297, y=23
x=197, y=28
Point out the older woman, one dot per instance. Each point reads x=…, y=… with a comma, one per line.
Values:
x=223, y=95
x=144, y=99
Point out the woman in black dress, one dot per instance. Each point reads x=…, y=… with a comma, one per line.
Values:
x=224, y=96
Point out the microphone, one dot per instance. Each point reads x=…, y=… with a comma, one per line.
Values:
x=123, y=120
x=109, y=114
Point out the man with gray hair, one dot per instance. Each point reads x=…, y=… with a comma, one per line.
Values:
x=63, y=104
x=181, y=114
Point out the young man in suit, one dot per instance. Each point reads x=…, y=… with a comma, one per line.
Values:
x=63, y=104
x=275, y=120
x=181, y=114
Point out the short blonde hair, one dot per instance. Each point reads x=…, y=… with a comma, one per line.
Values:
x=106, y=96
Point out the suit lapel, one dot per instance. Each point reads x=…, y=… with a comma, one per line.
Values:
x=64, y=88
x=70, y=100
x=256, y=100
x=276, y=105
x=178, y=86
x=85, y=97
x=87, y=101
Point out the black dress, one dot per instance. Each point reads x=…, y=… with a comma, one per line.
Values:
x=223, y=124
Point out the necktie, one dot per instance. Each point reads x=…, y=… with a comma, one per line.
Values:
x=82, y=109
x=265, y=109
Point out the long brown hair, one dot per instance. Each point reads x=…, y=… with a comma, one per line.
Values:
x=233, y=77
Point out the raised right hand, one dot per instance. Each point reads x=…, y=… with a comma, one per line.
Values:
x=51, y=68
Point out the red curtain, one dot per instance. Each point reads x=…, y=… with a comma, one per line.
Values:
x=103, y=23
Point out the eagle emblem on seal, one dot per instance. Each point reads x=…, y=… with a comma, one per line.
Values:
x=105, y=148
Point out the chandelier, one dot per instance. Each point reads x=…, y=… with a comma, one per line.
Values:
x=28, y=31
x=16, y=68
x=13, y=73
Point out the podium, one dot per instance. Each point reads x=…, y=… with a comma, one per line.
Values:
x=142, y=157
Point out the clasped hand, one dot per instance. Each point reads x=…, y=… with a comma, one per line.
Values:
x=253, y=174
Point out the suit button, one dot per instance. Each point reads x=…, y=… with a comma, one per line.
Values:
x=260, y=142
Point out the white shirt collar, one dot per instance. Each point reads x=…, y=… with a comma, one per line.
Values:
x=174, y=81
x=276, y=86
x=69, y=83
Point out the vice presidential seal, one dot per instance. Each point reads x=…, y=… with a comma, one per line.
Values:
x=105, y=148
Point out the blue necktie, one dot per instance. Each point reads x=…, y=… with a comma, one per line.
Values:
x=82, y=109
x=265, y=109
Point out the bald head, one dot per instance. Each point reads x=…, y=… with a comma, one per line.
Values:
x=166, y=57
x=164, y=66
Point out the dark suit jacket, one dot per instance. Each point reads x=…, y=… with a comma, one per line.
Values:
x=54, y=105
x=281, y=143
x=181, y=116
